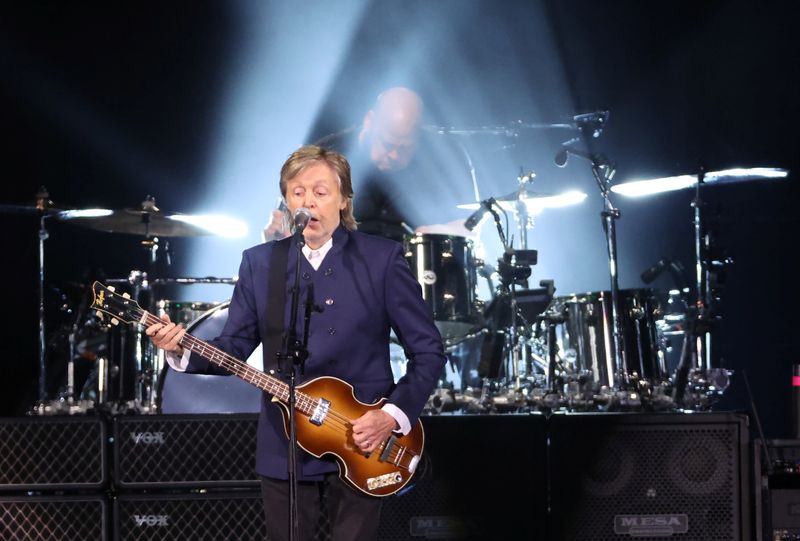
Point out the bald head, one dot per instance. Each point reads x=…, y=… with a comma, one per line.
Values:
x=391, y=129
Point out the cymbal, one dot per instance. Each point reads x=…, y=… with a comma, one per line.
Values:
x=635, y=188
x=154, y=223
x=32, y=210
x=533, y=201
x=139, y=222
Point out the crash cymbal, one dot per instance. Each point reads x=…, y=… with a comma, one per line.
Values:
x=29, y=210
x=140, y=222
x=635, y=188
x=534, y=201
x=150, y=221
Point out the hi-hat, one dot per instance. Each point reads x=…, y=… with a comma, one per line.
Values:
x=653, y=186
x=533, y=201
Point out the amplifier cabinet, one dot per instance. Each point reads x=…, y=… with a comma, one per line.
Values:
x=53, y=518
x=52, y=453
x=185, y=451
x=208, y=516
x=646, y=476
x=481, y=478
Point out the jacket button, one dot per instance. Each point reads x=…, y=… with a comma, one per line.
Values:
x=329, y=301
x=331, y=331
x=306, y=276
x=328, y=271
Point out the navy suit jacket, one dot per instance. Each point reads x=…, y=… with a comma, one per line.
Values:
x=366, y=288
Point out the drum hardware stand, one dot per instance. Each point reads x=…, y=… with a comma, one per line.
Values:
x=524, y=219
x=43, y=203
x=695, y=369
x=590, y=127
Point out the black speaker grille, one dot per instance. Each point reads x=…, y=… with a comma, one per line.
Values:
x=197, y=517
x=52, y=519
x=186, y=451
x=657, y=474
x=52, y=453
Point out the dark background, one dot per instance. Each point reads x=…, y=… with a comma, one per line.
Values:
x=104, y=104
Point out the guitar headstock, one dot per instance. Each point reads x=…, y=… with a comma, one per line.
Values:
x=120, y=307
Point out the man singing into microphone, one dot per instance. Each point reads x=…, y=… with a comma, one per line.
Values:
x=365, y=288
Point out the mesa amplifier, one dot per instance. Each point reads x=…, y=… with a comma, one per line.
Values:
x=646, y=476
x=480, y=477
x=208, y=516
x=52, y=453
x=778, y=503
x=185, y=451
x=62, y=518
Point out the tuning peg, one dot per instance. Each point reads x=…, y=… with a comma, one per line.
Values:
x=114, y=321
x=99, y=314
x=126, y=295
x=112, y=288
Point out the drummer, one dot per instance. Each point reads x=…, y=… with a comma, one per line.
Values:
x=403, y=176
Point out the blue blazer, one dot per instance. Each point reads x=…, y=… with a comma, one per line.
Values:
x=366, y=288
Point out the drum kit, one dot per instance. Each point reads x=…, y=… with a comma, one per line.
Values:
x=621, y=349
x=524, y=349
x=125, y=372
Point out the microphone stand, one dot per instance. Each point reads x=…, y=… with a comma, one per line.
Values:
x=295, y=352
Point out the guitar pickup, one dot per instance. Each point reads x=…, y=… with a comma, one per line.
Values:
x=320, y=412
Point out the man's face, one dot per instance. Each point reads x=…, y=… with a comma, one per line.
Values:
x=317, y=188
x=392, y=151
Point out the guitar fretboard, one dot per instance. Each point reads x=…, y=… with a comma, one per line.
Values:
x=266, y=382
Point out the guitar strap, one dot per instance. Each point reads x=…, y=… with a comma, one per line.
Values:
x=276, y=303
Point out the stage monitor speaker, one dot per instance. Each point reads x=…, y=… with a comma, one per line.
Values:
x=185, y=451
x=59, y=518
x=647, y=476
x=52, y=453
x=481, y=477
x=208, y=516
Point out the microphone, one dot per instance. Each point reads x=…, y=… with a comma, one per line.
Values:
x=652, y=273
x=301, y=217
x=476, y=216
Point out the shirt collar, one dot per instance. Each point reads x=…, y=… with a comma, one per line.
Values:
x=315, y=257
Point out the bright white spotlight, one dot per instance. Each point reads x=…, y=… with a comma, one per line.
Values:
x=215, y=224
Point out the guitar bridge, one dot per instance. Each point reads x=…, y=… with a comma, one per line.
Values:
x=320, y=412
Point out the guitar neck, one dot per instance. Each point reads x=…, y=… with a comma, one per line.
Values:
x=263, y=381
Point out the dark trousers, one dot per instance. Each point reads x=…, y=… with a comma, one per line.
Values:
x=353, y=516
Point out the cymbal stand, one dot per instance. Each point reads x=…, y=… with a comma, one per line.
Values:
x=42, y=204
x=148, y=362
x=523, y=216
x=702, y=278
x=697, y=381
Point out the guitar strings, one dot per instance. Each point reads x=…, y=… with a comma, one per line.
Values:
x=339, y=423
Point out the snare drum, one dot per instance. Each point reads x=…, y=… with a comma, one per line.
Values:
x=586, y=335
x=202, y=393
x=445, y=268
